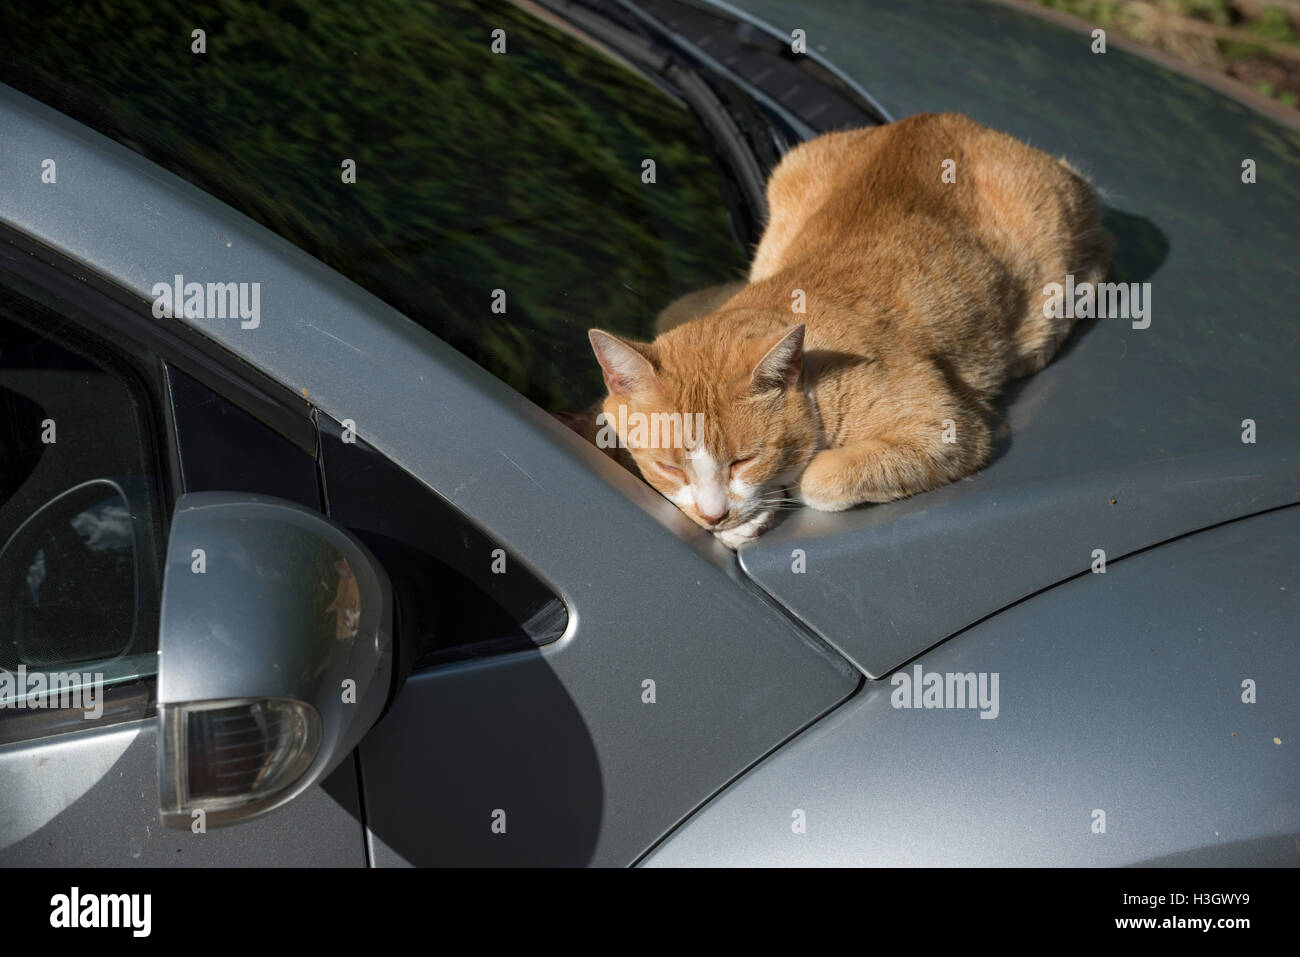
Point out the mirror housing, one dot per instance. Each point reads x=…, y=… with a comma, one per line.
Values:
x=275, y=654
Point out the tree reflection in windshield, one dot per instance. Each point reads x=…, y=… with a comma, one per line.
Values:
x=475, y=171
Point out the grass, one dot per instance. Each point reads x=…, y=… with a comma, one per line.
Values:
x=1256, y=42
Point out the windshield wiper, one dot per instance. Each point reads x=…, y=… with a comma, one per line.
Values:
x=634, y=40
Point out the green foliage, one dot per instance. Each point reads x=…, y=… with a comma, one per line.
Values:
x=1273, y=24
x=1213, y=11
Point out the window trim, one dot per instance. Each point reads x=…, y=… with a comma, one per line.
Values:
x=174, y=342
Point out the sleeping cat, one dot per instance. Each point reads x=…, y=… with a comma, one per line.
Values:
x=885, y=309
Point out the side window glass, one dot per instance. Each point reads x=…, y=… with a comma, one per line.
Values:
x=458, y=593
x=222, y=448
x=82, y=514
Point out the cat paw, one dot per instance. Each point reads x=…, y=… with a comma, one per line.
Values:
x=733, y=538
x=822, y=485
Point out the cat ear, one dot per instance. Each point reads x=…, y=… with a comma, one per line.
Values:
x=626, y=369
x=782, y=364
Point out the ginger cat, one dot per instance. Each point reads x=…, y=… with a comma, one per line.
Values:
x=922, y=298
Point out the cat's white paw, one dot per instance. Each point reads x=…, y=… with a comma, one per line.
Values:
x=733, y=538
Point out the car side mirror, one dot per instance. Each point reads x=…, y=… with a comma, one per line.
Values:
x=275, y=655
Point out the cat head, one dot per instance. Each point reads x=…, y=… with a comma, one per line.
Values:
x=715, y=417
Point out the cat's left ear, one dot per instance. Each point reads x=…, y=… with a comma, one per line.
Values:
x=782, y=364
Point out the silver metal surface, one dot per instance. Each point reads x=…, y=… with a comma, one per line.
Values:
x=91, y=800
x=1121, y=693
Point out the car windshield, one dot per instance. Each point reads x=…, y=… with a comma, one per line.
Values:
x=501, y=198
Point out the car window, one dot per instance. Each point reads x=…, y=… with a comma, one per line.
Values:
x=459, y=594
x=82, y=508
x=504, y=200
x=223, y=448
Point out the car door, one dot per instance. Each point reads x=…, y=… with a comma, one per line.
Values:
x=103, y=422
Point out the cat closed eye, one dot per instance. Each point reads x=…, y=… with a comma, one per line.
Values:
x=669, y=467
x=743, y=460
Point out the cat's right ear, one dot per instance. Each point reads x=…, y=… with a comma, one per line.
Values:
x=627, y=371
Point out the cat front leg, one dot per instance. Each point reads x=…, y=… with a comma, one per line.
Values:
x=889, y=468
x=747, y=531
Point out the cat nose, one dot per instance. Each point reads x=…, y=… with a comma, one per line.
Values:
x=714, y=519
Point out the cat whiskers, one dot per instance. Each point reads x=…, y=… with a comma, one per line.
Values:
x=776, y=500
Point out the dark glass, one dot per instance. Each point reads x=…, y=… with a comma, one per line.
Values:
x=81, y=518
x=475, y=171
x=225, y=449
x=72, y=578
x=450, y=602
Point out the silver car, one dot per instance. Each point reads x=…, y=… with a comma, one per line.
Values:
x=300, y=566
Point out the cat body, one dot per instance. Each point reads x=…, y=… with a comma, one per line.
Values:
x=897, y=287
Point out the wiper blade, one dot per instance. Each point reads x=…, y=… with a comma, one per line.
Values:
x=634, y=39
x=750, y=176
x=800, y=129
